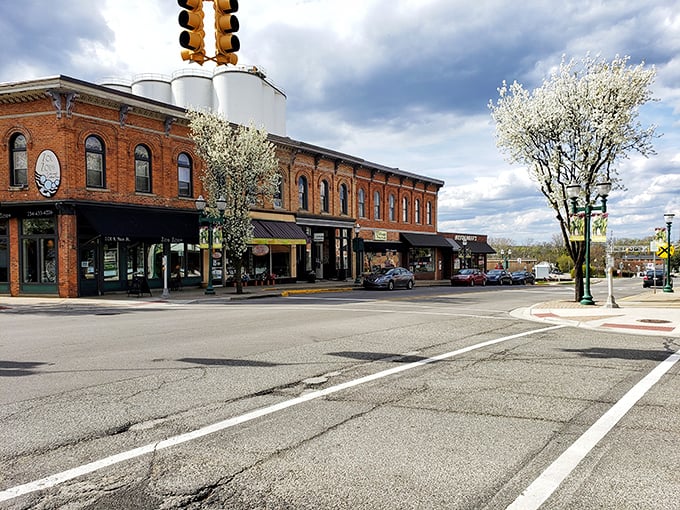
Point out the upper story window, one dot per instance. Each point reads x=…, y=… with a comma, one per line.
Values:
x=278, y=195
x=303, y=192
x=142, y=169
x=184, y=175
x=324, y=196
x=376, y=205
x=361, y=204
x=95, y=162
x=392, y=208
x=416, y=210
x=428, y=211
x=343, y=199
x=404, y=209
x=18, y=162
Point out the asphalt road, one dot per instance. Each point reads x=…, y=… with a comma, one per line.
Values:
x=431, y=398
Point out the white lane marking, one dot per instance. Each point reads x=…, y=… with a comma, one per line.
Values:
x=58, y=478
x=544, y=486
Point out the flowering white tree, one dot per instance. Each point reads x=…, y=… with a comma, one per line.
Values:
x=575, y=128
x=240, y=165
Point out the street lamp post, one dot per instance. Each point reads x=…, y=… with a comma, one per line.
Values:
x=211, y=221
x=573, y=191
x=464, y=253
x=358, y=249
x=668, y=218
x=505, y=258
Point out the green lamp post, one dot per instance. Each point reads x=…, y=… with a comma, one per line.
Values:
x=211, y=221
x=668, y=218
x=573, y=192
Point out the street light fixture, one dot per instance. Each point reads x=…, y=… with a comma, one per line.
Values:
x=211, y=221
x=573, y=192
x=505, y=258
x=668, y=218
x=358, y=250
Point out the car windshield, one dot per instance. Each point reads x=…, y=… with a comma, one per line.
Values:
x=465, y=271
x=384, y=270
x=495, y=271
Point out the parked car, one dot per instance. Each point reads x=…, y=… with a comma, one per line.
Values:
x=523, y=277
x=390, y=278
x=469, y=277
x=498, y=277
x=653, y=277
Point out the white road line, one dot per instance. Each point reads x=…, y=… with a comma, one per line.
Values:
x=544, y=486
x=58, y=478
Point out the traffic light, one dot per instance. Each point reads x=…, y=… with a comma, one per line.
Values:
x=226, y=43
x=191, y=18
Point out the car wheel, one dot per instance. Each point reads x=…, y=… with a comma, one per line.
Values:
x=390, y=285
x=409, y=285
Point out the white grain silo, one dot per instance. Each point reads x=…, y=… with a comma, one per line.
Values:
x=192, y=88
x=153, y=86
x=117, y=84
x=238, y=95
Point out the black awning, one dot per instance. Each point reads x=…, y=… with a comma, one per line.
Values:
x=418, y=240
x=383, y=246
x=277, y=232
x=141, y=223
x=479, y=247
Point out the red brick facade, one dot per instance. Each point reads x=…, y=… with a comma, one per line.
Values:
x=59, y=114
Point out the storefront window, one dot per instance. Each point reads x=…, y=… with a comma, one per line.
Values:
x=88, y=264
x=281, y=261
x=154, y=262
x=111, y=271
x=38, y=251
x=421, y=260
x=135, y=260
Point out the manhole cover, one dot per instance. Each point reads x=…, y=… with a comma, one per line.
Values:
x=654, y=321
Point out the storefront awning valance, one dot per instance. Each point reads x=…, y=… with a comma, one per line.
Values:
x=277, y=232
x=141, y=223
x=418, y=240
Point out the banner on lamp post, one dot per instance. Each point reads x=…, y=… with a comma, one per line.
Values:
x=577, y=230
x=598, y=223
x=204, y=239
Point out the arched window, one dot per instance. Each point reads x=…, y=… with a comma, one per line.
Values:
x=142, y=169
x=18, y=161
x=361, y=203
x=343, y=199
x=324, y=196
x=184, y=175
x=416, y=208
x=376, y=205
x=404, y=209
x=95, y=162
x=392, y=206
x=428, y=209
x=303, y=194
x=278, y=196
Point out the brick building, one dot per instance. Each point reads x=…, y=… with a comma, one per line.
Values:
x=100, y=184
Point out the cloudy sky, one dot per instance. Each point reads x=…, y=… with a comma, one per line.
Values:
x=398, y=82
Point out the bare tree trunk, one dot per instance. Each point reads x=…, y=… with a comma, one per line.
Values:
x=238, y=275
x=579, y=260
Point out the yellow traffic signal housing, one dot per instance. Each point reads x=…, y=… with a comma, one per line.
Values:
x=226, y=43
x=191, y=18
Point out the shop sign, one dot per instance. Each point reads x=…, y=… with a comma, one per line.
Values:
x=47, y=173
x=380, y=235
x=318, y=237
x=259, y=250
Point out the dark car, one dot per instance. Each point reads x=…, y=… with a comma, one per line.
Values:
x=523, y=278
x=653, y=278
x=498, y=277
x=469, y=277
x=390, y=278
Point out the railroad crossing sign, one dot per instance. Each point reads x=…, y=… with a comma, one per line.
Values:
x=663, y=250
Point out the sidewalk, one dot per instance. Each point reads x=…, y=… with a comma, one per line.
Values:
x=652, y=312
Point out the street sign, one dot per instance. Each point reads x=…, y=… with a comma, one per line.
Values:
x=663, y=250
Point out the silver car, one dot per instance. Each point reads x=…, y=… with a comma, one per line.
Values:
x=390, y=278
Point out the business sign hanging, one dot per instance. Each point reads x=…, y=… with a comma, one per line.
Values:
x=380, y=235
x=47, y=173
